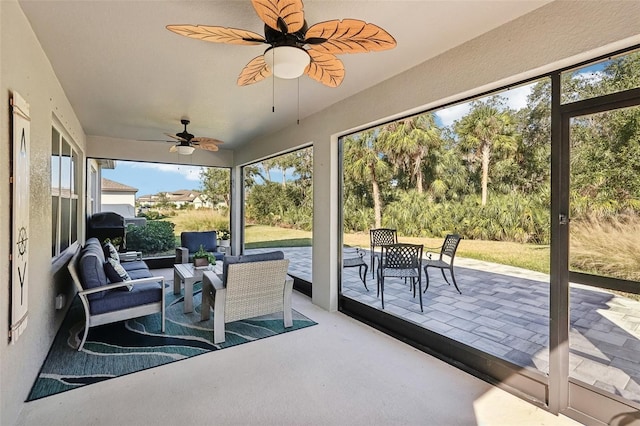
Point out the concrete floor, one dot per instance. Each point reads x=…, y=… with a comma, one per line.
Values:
x=335, y=373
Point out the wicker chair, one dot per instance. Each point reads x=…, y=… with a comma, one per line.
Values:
x=249, y=288
x=378, y=238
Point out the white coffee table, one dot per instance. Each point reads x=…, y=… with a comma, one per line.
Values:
x=187, y=274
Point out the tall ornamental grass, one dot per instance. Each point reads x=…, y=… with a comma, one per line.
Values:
x=199, y=220
x=610, y=246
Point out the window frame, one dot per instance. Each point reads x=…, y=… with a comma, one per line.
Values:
x=67, y=151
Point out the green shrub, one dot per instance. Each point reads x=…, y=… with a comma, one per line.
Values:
x=506, y=217
x=154, y=237
x=356, y=216
x=152, y=215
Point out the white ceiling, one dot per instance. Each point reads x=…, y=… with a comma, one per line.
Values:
x=128, y=77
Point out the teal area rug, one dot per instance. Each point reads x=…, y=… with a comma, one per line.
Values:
x=125, y=347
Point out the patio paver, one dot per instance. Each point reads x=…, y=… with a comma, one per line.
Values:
x=504, y=311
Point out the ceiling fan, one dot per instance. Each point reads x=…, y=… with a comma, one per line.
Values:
x=187, y=142
x=294, y=48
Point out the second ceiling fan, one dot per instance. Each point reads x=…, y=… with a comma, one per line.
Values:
x=188, y=142
x=295, y=49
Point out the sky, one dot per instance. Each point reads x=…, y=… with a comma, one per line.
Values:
x=516, y=99
x=152, y=178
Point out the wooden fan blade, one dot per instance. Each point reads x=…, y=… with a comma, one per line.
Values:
x=202, y=140
x=207, y=146
x=283, y=15
x=256, y=70
x=325, y=68
x=217, y=34
x=173, y=149
x=176, y=137
x=350, y=36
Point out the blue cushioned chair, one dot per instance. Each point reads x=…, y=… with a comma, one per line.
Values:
x=190, y=242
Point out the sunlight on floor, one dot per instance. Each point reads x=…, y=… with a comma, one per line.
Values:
x=519, y=413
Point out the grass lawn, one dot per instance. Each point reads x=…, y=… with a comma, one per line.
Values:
x=528, y=256
x=263, y=236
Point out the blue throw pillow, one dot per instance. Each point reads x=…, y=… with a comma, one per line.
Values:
x=110, y=251
x=116, y=273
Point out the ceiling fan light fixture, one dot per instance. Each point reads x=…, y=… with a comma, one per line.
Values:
x=287, y=61
x=185, y=149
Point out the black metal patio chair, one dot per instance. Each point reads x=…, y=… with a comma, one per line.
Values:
x=401, y=261
x=356, y=260
x=380, y=237
x=445, y=261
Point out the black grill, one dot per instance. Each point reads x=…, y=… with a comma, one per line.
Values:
x=105, y=225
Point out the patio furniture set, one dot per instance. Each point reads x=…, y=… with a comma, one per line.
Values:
x=404, y=260
x=244, y=287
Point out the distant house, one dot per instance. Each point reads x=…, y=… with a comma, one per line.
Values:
x=179, y=198
x=184, y=196
x=118, y=197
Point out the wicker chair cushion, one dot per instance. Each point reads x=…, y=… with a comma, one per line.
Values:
x=258, y=257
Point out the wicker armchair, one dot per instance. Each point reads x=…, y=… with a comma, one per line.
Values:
x=250, y=287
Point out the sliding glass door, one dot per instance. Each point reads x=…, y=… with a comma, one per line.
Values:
x=600, y=219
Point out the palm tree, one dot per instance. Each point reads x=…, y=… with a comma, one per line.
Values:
x=486, y=129
x=408, y=142
x=267, y=165
x=363, y=161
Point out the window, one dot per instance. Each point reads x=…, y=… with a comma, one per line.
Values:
x=160, y=201
x=482, y=169
x=64, y=193
x=278, y=209
x=611, y=75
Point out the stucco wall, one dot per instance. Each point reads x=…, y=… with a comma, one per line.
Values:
x=118, y=198
x=26, y=69
x=559, y=34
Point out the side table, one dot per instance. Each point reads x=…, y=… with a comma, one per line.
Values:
x=187, y=274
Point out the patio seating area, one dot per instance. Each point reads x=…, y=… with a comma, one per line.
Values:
x=504, y=311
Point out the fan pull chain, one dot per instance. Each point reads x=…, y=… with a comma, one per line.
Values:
x=298, y=120
x=273, y=84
